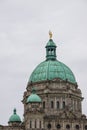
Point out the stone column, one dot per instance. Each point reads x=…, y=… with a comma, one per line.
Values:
x=82, y=126
x=63, y=126
x=42, y=125
x=55, y=103
x=37, y=123
x=73, y=105
x=61, y=103
x=33, y=123
x=73, y=126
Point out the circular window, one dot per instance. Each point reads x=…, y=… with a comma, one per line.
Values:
x=85, y=127
x=58, y=126
x=49, y=126
x=68, y=126
x=77, y=126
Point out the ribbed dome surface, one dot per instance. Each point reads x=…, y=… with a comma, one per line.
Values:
x=50, y=69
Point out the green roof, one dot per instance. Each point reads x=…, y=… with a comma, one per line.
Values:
x=33, y=97
x=14, y=117
x=49, y=70
x=50, y=43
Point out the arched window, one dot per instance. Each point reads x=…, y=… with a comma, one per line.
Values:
x=58, y=126
x=30, y=124
x=57, y=105
x=40, y=124
x=77, y=127
x=85, y=127
x=52, y=104
x=63, y=104
x=49, y=51
x=44, y=104
x=52, y=52
x=49, y=126
x=68, y=126
x=35, y=124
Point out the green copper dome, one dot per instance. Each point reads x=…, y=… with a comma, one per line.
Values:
x=33, y=97
x=51, y=68
x=14, y=117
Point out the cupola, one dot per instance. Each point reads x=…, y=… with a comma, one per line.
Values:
x=50, y=49
x=33, y=98
x=14, y=118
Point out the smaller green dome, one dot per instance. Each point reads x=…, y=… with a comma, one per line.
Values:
x=14, y=117
x=33, y=97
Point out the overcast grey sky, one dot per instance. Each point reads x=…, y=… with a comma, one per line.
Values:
x=24, y=27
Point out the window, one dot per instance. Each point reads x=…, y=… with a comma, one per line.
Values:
x=58, y=126
x=68, y=126
x=85, y=127
x=63, y=104
x=52, y=105
x=35, y=124
x=30, y=124
x=52, y=51
x=40, y=124
x=49, y=51
x=57, y=104
x=44, y=104
x=77, y=127
x=49, y=126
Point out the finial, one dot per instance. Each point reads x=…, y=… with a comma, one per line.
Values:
x=50, y=34
x=14, y=110
x=33, y=90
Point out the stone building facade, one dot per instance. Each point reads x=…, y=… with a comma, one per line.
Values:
x=52, y=100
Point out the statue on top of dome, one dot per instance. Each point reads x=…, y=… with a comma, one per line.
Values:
x=50, y=34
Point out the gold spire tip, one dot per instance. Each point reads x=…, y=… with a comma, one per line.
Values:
x=50, y=34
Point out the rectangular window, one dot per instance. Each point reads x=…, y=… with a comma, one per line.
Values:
x=57, y=104
x=63, y=104
x=35, y=124
x=52, y=105
x=44, y=104
x=30, y=124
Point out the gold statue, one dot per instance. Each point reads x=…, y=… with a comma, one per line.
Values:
x=50, y=34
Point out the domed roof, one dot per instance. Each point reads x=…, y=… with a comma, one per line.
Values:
x=51, y=68
x=50, y=43
x=14, y=117
x=33, y=97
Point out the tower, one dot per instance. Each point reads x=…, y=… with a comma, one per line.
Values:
x=55, y=101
